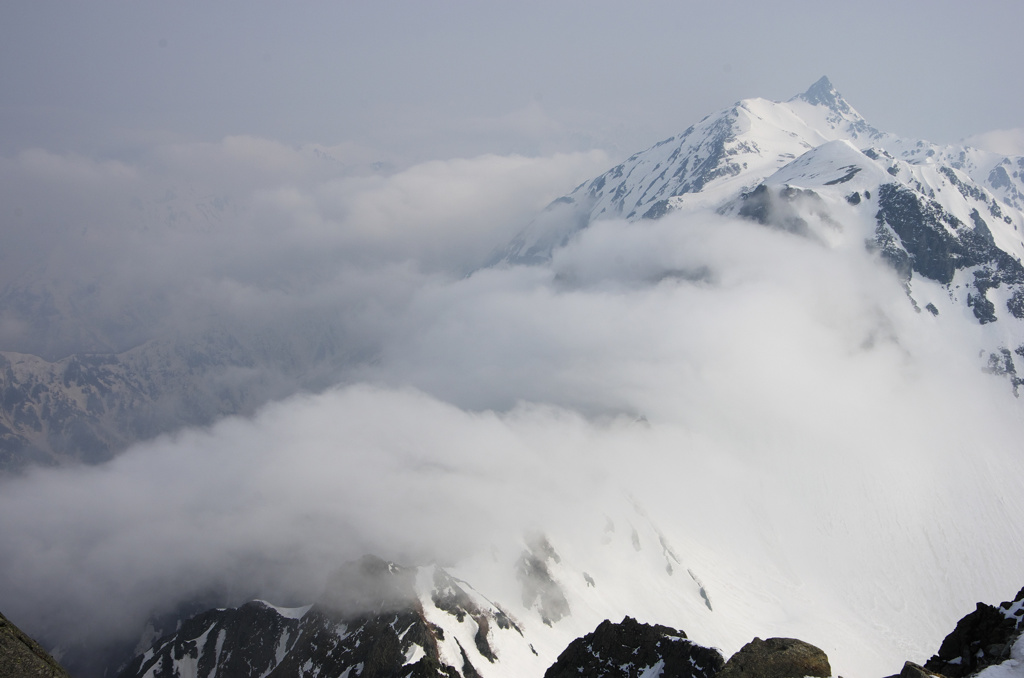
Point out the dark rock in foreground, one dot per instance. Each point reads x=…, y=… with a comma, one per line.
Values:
x=22, y=657
x=777, y=658
x=630, y=649
x=981, y=639
x=912, y=670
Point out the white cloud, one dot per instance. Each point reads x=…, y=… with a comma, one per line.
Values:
x=72, y=170
x=1002, y=141
x=800, y=415
x=276, y=502
x=806, y=428
x=153, y=238
x=452, y=214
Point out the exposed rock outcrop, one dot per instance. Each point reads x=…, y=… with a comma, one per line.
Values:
x=22, y=657
x=540, y=589
x=912, y=670
x=982, y=638
x=630, y=649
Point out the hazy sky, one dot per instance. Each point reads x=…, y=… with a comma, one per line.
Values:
x=410, y=80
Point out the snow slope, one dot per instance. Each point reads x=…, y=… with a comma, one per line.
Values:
x=734, y=150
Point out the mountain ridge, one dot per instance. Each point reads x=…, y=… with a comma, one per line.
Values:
x=442, y=630
x=737, y=148
x=947, y=219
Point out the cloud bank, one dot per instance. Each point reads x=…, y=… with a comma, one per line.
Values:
x=101, y=255
x=1002, y=141
x=775, y=400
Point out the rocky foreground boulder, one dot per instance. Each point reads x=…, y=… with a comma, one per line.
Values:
x=22, y=657
x=777, y=658
x=912, y=670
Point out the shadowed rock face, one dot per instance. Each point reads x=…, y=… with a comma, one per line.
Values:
x=22, y=657
x=238, y=642
x=255, y=640
x=982, y=638
x=777, y=658
x=631, y=649
x=540, y=590
x=935, y=244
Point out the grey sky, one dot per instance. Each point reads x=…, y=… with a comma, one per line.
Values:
x=418, y=80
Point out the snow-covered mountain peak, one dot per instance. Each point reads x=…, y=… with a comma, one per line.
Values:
x=726, y=153
x=823, y=93
x=948, y=219
x=824, y=108
x=802, y=141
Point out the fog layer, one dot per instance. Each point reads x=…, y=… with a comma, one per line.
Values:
x=773, y=399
